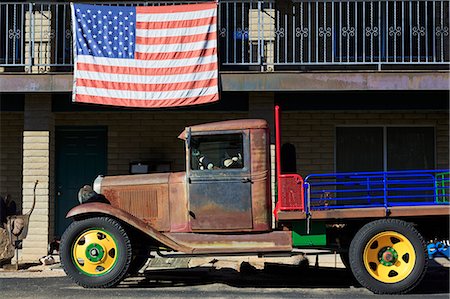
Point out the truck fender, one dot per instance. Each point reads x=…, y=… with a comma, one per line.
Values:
x=102, y=208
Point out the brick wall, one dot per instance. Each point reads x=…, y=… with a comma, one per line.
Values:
x=313, y=133
x=143, y=136
x=11, y=127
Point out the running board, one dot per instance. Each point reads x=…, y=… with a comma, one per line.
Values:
x=204, y=243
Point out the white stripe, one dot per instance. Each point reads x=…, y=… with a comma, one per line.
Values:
x=176, y=16
x=147, y=63
x=126, y=78
x=185, y=47
x=176, y=31
x=145, y=95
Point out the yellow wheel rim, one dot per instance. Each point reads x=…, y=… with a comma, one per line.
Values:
x=389, y=257
x=95, y=252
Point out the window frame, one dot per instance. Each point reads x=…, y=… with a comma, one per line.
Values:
x=245, y=148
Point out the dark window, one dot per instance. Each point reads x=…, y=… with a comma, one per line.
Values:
x=410, y=148
x=378, y=148
x=359, y=149
x=215, y=152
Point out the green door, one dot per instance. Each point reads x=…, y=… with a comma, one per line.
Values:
x=80, y=157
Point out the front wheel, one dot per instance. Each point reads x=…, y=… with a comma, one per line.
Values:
x=96, y=252
x=388, y=256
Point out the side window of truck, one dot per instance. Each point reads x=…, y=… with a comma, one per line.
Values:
x=215, y=152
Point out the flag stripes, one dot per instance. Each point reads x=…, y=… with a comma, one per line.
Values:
x=146, y=56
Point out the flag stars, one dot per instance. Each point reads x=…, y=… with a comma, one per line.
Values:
x=107, y=32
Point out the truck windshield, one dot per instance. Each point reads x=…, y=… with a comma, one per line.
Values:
x=213, y=152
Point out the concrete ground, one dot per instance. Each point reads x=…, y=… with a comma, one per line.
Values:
x=313, y=258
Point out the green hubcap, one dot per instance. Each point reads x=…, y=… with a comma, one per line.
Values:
x=95, y=252
x=387, y=256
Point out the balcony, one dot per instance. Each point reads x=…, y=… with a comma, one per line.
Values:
x=262, y=36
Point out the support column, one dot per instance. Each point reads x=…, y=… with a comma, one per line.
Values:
x=261, y=105
x=38, y=152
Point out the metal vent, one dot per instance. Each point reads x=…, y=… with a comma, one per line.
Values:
x=140, y=203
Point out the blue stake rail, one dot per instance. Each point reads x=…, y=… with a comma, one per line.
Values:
x=377, y=189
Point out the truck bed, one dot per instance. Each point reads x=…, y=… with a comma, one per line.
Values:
x=365, y=195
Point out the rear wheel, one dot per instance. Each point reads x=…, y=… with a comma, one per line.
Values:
x=388, y=256
x=96, y=252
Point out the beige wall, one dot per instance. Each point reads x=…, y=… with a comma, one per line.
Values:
x=11, y=130
x=313, y=133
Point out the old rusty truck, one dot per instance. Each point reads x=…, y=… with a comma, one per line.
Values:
x=380, y=222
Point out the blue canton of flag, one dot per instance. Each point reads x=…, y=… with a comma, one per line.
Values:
x=105, y=31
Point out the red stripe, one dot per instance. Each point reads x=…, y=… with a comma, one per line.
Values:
x=176, y=39
x=175, y=8
x=146, y=103
x=146, y=87
x=146, y=71
x=176, y=24
x=175, y=55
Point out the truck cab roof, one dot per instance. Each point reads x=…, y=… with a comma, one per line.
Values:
x=237, y=124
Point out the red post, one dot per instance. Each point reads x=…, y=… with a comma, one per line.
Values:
x=278, y=150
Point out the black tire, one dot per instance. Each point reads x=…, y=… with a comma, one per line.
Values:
x=367, y=234
x=121, y=255
x=345, y=259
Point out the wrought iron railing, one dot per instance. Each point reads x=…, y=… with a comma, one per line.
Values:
x=262, y=35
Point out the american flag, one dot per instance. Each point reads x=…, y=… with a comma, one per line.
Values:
x=145, y=56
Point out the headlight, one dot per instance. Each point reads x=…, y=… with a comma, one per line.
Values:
x=98, y=184
x=85, y=194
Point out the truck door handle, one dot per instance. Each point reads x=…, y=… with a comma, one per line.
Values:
x=246, y=180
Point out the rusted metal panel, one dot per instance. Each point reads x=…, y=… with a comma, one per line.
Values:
x=145, y=196
x=101, y=208
x=234, y=243
x=260, y=177
x=220, y=204
x=137, y=179
x=179, y=212
x=238, y=124
x=147, y=202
